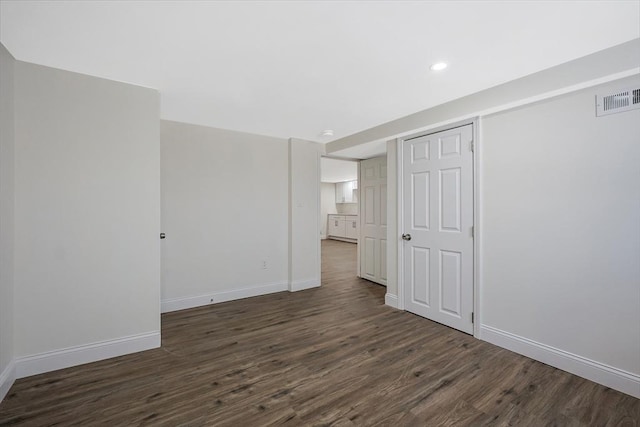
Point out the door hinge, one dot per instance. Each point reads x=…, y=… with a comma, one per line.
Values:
x=473, y=232
x=472, y=145
x=472, y=318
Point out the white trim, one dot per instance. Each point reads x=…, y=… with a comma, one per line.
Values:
x=600, y=373
x=360, y=228
x=175, y=304
x=319, y=213
x=391, y=300
x=7, y=378
x=392, y=221
x=399, y=225
x=301, y=285
x=477, y=227
x=73, y=356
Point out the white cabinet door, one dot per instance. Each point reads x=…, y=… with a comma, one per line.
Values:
x=339, y=192
x=336, y=226
x=438, y=218
x=351, y=224
x=346, y=192
x=354, y=192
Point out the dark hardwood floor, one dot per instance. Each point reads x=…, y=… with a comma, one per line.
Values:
x=334, y=355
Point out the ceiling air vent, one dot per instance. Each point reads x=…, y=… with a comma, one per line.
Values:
x=623, y=100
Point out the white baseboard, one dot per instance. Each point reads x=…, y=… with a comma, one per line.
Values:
x=73, y=356
x=600, y=373
x=175, y=304
x=7, y=378
x=301, y=285
x=391, y=300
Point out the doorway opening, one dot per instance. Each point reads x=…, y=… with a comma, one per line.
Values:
x=339, y=195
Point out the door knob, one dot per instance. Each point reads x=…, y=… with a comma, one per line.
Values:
x=162, y=235
x=406, y=237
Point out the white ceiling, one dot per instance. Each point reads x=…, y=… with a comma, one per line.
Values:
x=334, y=170
x=293, y=69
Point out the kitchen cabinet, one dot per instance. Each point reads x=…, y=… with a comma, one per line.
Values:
x=351, y=225
x=343, y=227
x=336, y=226
x=347, y=192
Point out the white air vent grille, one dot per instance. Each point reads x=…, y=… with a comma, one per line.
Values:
x=623, y=100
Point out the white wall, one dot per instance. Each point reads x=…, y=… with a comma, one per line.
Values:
x=304, y=214
x=347, y=208
x=327, y=205
x=391, y=297
x=337, y=170
x=87, y=203
x=560, y=268
x=224, y=211
x=561, y=195
x=7, y=373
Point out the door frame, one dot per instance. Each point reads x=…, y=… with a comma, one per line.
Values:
x=477, y=214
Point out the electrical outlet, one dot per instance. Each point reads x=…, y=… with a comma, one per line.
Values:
x=264, y=264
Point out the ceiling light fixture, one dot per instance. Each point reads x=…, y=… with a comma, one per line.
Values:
x=327, y=132
x=438, y=66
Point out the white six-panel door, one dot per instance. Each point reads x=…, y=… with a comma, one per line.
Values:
x=373, y=220
x=438, y=216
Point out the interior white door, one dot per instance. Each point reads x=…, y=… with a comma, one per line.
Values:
x=373, y=220
x=438, y=219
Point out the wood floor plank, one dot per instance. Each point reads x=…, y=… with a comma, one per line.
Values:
x=334, y=355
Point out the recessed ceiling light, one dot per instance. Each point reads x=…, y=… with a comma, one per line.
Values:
x=438, y=66
x=327, y=132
